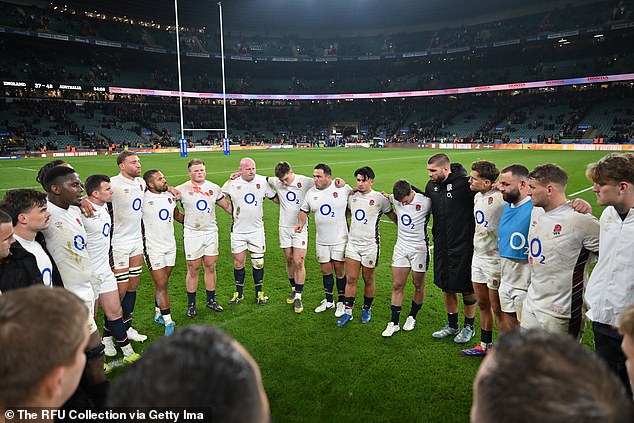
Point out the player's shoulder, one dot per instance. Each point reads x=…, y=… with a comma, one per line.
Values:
x=184, y=186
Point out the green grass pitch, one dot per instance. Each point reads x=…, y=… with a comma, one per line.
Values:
x=313, y=370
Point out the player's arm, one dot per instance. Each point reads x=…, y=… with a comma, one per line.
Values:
x=86, y=207
x=339, y=182
x=225, y=204
x=178, y=215
x=302, y=217
x=392, y=216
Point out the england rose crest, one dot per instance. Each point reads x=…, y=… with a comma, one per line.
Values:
x=257, y=186
x=371, y=202
x=490, y=201
x=557, y=229
x=417, y=207
x=299, y=185
x=334, y=194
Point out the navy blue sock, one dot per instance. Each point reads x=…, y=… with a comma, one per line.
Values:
x=258, y=277
x=292, y=281
x=415, y=309
x=127, y=304
x=367, y=302
x=118, y=331
x=341, y=289
x=299, y=288
x=166, y=311
x=191, y=298
x=453, y=320
x=396, y=314
x=486, y=336
x=238, y=276
x=349, y=302
x=329, y=283
x=469, y=321
x=211, y=295
x=106, y=329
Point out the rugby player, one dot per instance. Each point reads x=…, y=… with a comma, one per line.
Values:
x=66, y=242
x=247, y=193
x=200, y=233
x=99, y=193
x=560, y=242
x=362, y=249
x=329, y=204
x=291, y=190
x=159, y=212
x=485, y=265
x=411, y=251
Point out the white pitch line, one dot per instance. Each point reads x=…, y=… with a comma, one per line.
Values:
x=579, y=192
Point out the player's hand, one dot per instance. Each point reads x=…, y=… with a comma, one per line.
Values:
x=235, y=175
x=385, y=194
x=176, y=193
x=580, y=206
x=339, y=182
x=496, y=185
x=298, y=229
x=87, y=208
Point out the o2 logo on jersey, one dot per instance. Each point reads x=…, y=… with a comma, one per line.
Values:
x=105, y=231
x=518, y=242
x=80, y=242
x=359, y=215
x=47, y=277
x=250, y=199
x=136, y=204
x=164, y=215
x=326, y=210
x=292, y=197
x=536, y=251
x=406, y=220
x=201, y=205
x=480, y=219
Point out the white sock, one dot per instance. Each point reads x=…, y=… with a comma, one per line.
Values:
x=127, y=350
x=167, y=318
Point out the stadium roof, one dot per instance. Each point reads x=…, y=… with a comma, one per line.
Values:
x=319, y=17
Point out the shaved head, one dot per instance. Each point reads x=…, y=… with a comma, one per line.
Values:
x=247, y=169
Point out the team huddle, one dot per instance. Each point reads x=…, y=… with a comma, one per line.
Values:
x=507, y=240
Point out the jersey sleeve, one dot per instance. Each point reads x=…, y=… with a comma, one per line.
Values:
x=587, y=227
x=226, y=188
x=386, y=205
x=269, y=192
x=305, y=207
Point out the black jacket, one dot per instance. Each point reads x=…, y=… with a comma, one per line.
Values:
x=20, y=270
x=453, y=228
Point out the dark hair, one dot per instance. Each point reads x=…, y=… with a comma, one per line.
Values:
x=366, y=172
x=194, y=162
x=440, y=159
x=17, y=201
x=281, y=169
x=210, y=372
x=549, y=173
x=93, y=183
x=124, y=155
x=401, y=189
x=486, y=169
x=4, y=217
x=53, y=176
x=325, y=168
x=538, y=376
x=48, y=166
x=517, y=170
x=148, y=175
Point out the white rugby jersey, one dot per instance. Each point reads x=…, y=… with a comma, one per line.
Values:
x=291, y=198
x=560, y=242
x=199, y=202
x=247, y=199
x=158, y=217
x=66, y=242
x=127, y=209
x=329, y=206
x=487, y=211
x=42, y=259
x=366, y=211
x=412, y=222
x=98, y=241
